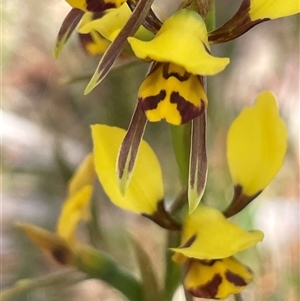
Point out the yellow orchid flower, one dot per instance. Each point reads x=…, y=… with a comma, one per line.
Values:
x=173, y=89
x=63, y=243
x=82, y=12
x=216, y=279
x=110, y=24
x=208, y=244
x=93, y=42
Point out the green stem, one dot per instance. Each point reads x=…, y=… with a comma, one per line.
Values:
x=181, y=139
x=210, y=19
x=173, y=275
x=98, y=265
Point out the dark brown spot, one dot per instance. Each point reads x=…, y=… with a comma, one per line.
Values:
x=209, y=289
x=163, y=218
x=151, y=102
x=98, y=5
x=61, y=255
x=210, y=262
x=235, y=279
x=186, y=109
x=167, y=74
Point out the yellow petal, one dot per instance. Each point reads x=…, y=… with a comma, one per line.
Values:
x=74, y=210
x=182, y=40
x=272, y=9
x=217, y=279
x=145, y=189
x=112, y=22
x=84, y=175
x=256, y=145
x=209, y=235
x=95, y=5
x=169, y=92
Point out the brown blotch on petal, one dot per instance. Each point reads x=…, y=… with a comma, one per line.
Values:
x=209, y=289
x=210, y=262
x=167, y=74
x=186, y=109
x=236, y=279
x=151, y=102
x=98, y=5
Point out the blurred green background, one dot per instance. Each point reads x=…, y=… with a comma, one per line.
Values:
x=45, y=134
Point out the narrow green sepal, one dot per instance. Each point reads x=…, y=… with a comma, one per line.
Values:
x=117, y=45
x=69, y=24
x=129, y=148
x=198, y=162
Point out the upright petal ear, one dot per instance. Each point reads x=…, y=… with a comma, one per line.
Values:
x=145, y=190
x=84, y=175
x=273, y=9
x=74, y=210
x=256, y=145
x=207, y=234
x=76, y=206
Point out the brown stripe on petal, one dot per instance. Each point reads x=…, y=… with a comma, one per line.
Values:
x=186, y=109
x=98, y=5
x=209, y=289
x=167, y=74
x=151, y=102
x=210, y=262
x=236, y=279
